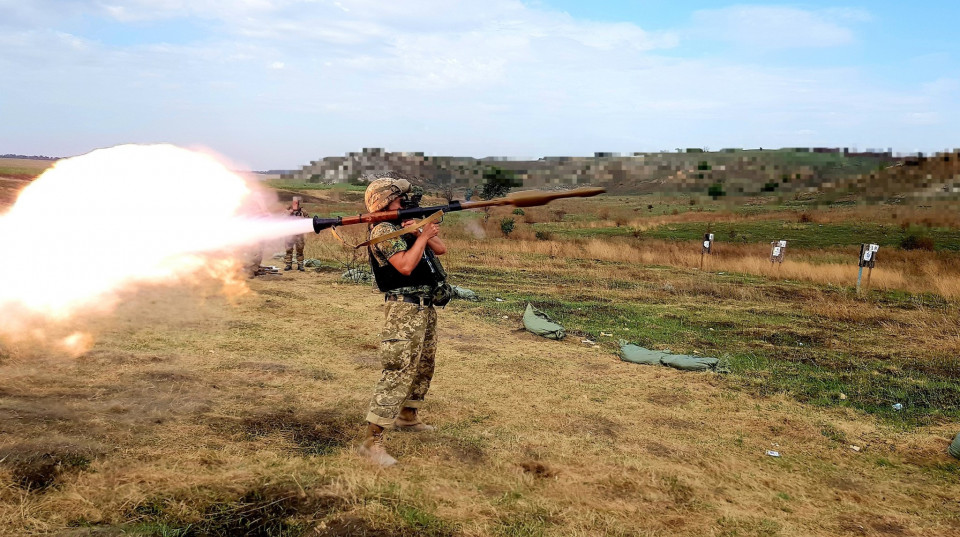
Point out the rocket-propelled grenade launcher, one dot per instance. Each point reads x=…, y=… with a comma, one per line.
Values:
x=529, y=198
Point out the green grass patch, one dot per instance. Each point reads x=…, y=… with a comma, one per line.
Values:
x=23, y=167
x=786, y=350
x=18, y=171
x=801, y=234
x=798, y=234
x=424, y=523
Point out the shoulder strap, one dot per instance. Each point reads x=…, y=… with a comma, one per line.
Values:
x=436, y=217
x=342, y=241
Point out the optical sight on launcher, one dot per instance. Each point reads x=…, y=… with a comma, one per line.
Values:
x=412, y=199
x=412, y=210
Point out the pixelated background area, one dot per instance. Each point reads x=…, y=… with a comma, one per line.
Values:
x=728, y=173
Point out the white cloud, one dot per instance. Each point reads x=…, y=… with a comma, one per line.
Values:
x=922, y=118
x=456, y=77
x=941, y=86
x=140, y=10
x=777, y=27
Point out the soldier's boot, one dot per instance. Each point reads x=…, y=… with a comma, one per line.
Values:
x=300, y=268
x=372, y=447
x=288, y=267
x=409, y=421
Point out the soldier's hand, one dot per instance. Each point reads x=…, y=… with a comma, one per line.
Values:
x=430, y=230
x=406, y=223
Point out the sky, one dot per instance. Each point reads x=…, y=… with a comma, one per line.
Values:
x=274, y=84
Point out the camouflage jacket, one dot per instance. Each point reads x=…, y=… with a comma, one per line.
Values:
x=384, y=250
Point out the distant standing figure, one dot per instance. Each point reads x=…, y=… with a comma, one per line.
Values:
x=295, y=211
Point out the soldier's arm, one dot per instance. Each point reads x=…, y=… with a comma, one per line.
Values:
x=407, y=260
x=436, y=244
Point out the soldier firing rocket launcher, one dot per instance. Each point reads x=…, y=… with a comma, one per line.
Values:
x=412, y=210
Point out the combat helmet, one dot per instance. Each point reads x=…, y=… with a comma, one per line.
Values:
x=384, y=190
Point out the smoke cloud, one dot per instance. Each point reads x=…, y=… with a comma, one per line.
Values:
x=99, y=225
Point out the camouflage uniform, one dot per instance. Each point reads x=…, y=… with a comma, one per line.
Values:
x=382, y=252
x=295, y=240
x=408, y=343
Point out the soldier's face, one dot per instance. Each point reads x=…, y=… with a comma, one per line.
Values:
x=296, y=205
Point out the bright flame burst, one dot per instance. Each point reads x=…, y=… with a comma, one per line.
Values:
x=94, y=225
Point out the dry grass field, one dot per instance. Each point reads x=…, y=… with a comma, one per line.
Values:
x=196, y=413
x=193, y=415
x=15, y=173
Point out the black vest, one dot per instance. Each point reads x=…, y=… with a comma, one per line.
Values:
x=428, y=272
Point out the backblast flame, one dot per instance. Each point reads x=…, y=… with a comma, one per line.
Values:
x=98, y=224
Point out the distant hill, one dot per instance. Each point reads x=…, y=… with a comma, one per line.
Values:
x=831, y=172
x=924, y=177
x=29, y=157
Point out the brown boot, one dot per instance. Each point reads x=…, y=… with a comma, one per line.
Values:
x=409, y=421
x=372, y=447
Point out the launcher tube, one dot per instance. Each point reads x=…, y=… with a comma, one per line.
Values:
x=518, y=199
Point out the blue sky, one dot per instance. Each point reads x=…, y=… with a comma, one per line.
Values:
x=277, y=83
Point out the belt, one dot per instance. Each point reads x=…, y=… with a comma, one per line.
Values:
x=422, y=301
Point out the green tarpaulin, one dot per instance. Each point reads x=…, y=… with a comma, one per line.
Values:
x=639, y=355
x=464, y=293
x=540, y=324
x=955, y=447
x=689, y=363
x=356, y=276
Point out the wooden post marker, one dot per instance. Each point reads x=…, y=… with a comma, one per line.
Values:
x=868, y=258
x=707, y=246
x=777, y=250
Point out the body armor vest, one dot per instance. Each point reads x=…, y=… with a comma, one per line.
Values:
x=428, y=272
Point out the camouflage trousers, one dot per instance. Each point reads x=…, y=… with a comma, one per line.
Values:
x=408, y=349
x=296, y=240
